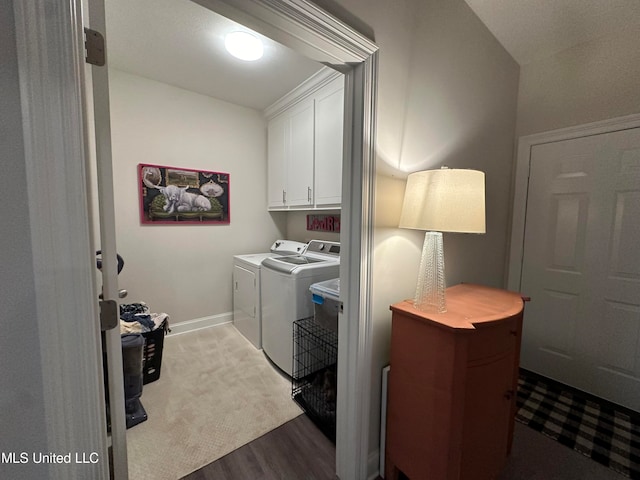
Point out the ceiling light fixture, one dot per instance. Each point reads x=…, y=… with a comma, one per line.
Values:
x=244, y=45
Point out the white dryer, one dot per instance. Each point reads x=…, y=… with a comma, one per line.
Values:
x=247, y=316
x=286, y=297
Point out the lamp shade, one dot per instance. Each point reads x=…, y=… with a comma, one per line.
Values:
x=445, y=200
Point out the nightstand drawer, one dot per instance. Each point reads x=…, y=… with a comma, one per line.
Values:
x=492, y=339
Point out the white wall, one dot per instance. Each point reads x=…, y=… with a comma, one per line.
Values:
x=186, y=270
x=447, y=95
x=593, y=81
x=22, y=409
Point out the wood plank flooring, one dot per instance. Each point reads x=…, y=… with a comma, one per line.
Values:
x=296, y=450
x=299, y=451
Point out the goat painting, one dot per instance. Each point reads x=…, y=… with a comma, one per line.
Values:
x=172, y=195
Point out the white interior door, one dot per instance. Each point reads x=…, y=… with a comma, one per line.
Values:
x=581, y=264
x=98, y=86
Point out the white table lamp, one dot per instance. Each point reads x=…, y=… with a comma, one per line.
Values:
x=445, y=200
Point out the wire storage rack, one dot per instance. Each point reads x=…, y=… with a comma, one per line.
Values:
x=314, y=387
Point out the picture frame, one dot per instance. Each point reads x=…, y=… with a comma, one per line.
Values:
x=182, y=196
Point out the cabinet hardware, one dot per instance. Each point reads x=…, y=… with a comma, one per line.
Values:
x=514, y=333
x=508, y=394
x=309, y=194
x=284, y=196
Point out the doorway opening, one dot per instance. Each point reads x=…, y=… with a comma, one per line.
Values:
x=356, y=211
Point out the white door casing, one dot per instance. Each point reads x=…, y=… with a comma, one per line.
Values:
x=578, y=257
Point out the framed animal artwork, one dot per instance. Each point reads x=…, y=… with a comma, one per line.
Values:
x=175, y=196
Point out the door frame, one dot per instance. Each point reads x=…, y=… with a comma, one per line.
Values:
x=521, y=182
x=50, y=54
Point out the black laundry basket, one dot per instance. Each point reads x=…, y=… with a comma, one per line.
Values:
x=132, y=351
x=152, y=358
x=132, y=347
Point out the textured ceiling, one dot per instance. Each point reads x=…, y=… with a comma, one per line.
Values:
x=533, y=29
x=181, y=43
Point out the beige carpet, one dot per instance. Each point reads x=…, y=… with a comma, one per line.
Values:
x=215, y=393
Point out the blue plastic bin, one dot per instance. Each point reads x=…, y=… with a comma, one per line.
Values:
x=326, y=302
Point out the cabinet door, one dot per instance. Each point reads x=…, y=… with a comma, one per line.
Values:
x=486, y=428
x=300, y=157
x=329, y=113
x=277, y=139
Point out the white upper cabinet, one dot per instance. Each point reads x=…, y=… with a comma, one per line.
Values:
x=329, y=116
x=300, y=159
x=305, y=131
x=277, y=138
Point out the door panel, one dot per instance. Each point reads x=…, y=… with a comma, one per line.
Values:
x=625, y=256
x=581, y=264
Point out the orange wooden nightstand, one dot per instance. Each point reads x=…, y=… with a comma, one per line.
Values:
x=452, y=385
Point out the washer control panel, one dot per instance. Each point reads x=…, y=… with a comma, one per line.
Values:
x=287, y=247
x=323, y=247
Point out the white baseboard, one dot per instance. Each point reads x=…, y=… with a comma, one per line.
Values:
x=375, y=466
x=383, y=419
x=373, y=462
x=199, y=323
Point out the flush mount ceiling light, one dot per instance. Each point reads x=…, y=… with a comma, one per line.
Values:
x=244, y=45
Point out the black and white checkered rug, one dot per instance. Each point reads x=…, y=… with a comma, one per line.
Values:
x=599, y=430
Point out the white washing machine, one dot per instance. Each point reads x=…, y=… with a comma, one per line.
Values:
x=286, y=297
x=247, y=316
